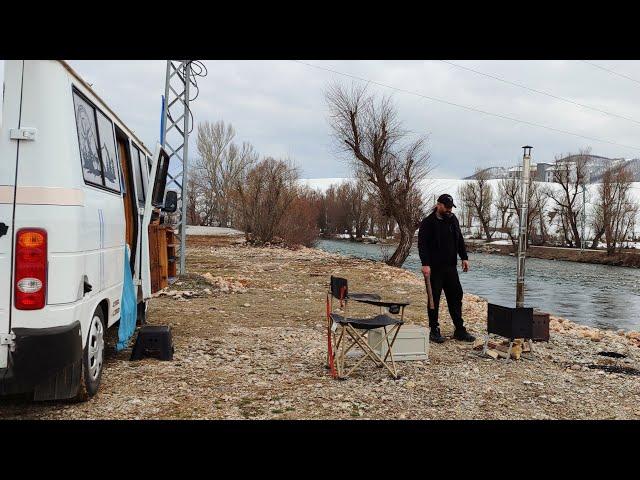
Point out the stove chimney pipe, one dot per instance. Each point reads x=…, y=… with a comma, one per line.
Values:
x=522, y=225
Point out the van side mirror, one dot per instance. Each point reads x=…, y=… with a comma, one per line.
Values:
x=170, y=201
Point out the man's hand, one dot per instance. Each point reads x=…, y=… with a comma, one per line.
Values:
x=426, y=270
x=465, y=265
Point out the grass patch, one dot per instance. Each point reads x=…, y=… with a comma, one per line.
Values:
x=247, y=409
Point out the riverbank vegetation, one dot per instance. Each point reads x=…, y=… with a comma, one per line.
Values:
x=230, y=185
x=622, y=258
x=562, y=212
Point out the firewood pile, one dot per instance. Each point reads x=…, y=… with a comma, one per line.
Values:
x=500, y=349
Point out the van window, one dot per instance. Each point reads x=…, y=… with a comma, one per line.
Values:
x=135, y=162
x=145, y=170
x=97, y=145
x=108, y=152
x=88, y=138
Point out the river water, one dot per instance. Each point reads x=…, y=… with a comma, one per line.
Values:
x=596, y=295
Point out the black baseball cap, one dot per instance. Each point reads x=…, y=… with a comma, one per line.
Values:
x=446, y=200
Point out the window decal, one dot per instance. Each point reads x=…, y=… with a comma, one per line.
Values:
x=88, y=138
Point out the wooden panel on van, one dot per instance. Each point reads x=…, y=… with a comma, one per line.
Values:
x=128, y=192
x=158, y=259
x=172, y=243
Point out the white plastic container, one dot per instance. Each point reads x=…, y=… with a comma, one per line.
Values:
x=412, y=343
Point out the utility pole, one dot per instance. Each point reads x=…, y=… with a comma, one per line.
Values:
x=175, y=139
x=583, y=240
x=522, y=225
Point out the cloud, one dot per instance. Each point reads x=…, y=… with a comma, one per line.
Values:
x=279, y=106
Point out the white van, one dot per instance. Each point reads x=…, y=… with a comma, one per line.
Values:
x=74, y=189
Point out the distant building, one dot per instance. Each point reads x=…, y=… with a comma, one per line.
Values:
x=541, y=171
x=548, y=174
x=544, y=172
x=514, y=172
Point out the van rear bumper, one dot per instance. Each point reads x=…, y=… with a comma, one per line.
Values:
x=39, y=354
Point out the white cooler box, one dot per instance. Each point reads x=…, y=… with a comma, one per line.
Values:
x=412, y=343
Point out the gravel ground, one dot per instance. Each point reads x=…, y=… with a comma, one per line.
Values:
x=256, y=350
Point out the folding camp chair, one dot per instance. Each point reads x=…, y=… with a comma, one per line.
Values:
x=344, y=332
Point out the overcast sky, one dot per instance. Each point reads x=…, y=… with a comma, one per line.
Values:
x=279, y=106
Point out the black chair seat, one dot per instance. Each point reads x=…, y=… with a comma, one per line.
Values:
x=364, y=296
x=378, y=321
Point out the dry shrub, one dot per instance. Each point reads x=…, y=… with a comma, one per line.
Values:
x=274, y=208
x=264, y=198
x=299, y=226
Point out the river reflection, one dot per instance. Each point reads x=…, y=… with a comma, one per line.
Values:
x=597, y=295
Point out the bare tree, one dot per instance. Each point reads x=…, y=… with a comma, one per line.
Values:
x=264, y=198
x=560, y=218
x=614, y=208
x=360, y=206
x=464, y=212
x=477, y=195
x=338, y=213
x=597, y=224
x=504, y=207
x=193, y=192
x=509, y=189
x=222, y=162
x=385, y=225
x=539, y=199
x=571, y=174
x=348, y=207
x=368, y=128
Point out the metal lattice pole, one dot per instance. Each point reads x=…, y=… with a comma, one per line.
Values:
x=175, y=139
x=583, y=240
x=522, y=225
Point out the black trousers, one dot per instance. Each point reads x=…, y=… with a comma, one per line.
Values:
x=446, y=278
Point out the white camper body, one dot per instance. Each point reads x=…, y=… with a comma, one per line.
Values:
x=62, y=154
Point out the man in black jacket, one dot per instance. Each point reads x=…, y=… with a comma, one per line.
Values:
x=440, y=242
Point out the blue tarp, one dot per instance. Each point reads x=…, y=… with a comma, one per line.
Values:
x=128, y=307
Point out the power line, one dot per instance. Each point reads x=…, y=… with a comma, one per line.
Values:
x=611, y=71
x=466, y=107
x=567, y=100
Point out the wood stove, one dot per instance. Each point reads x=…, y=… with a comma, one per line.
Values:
x=516, y=322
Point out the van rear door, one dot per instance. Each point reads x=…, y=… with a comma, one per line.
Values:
x=155, y=198
x=9, y=149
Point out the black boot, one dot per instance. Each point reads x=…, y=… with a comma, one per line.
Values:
x=462, y=335
x=435, y=336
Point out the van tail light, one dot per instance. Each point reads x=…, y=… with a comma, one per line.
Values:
x=30, y=269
